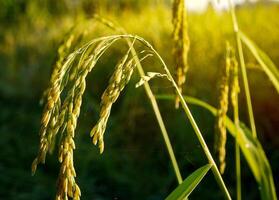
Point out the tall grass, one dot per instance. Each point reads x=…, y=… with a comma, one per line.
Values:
x=243, y=70
x=235, y=89
x=268, y=189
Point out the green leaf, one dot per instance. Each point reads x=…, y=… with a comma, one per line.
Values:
x=250, y=147
x=189, y=184
x=266, y=63
x=149, y=76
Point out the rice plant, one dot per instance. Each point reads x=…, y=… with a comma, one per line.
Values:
x=63, y=101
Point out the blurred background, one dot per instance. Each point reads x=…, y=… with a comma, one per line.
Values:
x=135, y=164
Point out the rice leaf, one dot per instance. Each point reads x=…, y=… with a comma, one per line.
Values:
x=189, y=184
x=265, y=62
x=149, y=76
x=250, y=147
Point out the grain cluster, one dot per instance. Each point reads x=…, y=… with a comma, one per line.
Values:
x=117, y=82
x=229, y=78
x=181, y=43
x=63, y=104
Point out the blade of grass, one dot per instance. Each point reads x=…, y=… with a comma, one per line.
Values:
x=243, y=70
x=189, y=184
x=237, y=169
x=237, y=153
x=250, y=147
x=266, y=63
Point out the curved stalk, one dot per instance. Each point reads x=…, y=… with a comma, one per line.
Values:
x=151, y=97
x=237, y=163
x=198, y=133
x=159, y=118
x=237, y=151
x=243, y=70
x=214, y=168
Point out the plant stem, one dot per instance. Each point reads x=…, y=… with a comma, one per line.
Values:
x=237, y=150
x=237, y=170
x=157, y=113
x=243, y=70
x=151, y=97
x=214, y=168
x=159, y=117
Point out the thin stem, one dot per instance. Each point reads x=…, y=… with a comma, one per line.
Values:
x=214, y=168
x=158, y=117
x=151, y=97
x=237, y=150
x=243, y=70
x=238, y=171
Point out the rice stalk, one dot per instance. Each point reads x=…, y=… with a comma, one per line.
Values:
x=68, y=113
x=235, y=89
x=197, y=131
x=149, y=94
x=181, y=43
x=250, y=147
x=220, y=124
x=243, y=69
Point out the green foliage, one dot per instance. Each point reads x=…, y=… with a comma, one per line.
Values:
x=251, y=149
x=189, y=184
x=266, y=63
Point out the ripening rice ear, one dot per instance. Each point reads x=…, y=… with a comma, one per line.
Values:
x=181, y=43
x=220, y=125
x=63, y=117
x=117, y=82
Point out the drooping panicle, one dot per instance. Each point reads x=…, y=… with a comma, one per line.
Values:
x=220, y=125
x=181, y=43
x=117, y=82
x=234, y=83
x=61, y=114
